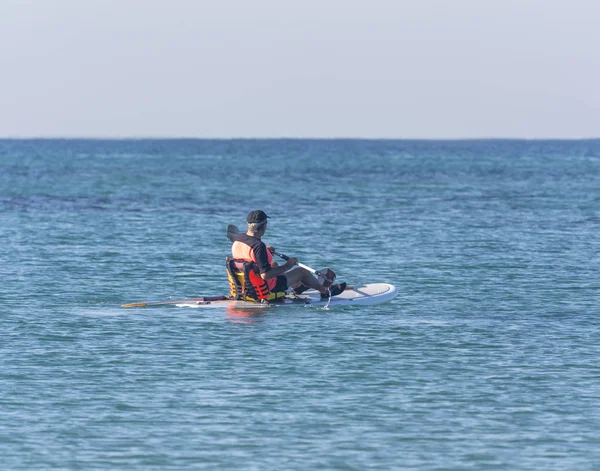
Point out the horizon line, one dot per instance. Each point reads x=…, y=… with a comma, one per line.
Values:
x=287, y=138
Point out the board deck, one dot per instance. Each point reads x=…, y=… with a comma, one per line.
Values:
x=367, y=294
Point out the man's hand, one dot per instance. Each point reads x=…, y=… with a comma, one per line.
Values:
x=271, y=249
x=291, y=262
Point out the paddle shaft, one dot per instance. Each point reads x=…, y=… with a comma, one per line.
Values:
x=286, y=258
x=203, y=300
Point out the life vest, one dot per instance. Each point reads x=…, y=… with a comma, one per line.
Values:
x=246, y=284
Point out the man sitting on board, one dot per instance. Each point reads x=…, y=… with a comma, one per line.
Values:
x=251, y=248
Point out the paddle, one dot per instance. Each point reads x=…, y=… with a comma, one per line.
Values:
x=233, y=231
x=203, y=300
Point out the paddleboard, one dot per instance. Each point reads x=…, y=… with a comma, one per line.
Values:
x=359, y=295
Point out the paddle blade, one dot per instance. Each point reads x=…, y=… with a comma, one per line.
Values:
x=232, y=232
x=134, y=305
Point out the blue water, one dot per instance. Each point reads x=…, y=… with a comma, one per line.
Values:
x=487, y=359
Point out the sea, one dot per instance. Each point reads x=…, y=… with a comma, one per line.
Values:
x=488, y=358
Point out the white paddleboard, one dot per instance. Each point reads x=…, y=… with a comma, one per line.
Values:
x=359, y=295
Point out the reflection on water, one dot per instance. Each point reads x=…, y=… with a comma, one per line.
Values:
x=245, y=315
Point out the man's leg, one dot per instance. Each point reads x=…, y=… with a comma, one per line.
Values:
x=305, y=277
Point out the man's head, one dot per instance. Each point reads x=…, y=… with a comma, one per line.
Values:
x=256, y=220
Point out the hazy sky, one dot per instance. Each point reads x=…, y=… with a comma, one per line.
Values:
x=309, y=68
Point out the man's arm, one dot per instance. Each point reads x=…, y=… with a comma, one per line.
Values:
x=280, y=270
x=266, y=270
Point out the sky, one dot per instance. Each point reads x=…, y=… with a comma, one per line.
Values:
x=420, y=69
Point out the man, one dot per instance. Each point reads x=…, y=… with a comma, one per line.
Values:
x=251, y=248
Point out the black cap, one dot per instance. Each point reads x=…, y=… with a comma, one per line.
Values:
x=256, y=217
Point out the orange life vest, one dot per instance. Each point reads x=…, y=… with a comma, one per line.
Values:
x=245, y=282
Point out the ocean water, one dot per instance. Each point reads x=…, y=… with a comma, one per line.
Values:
x=488, y=359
